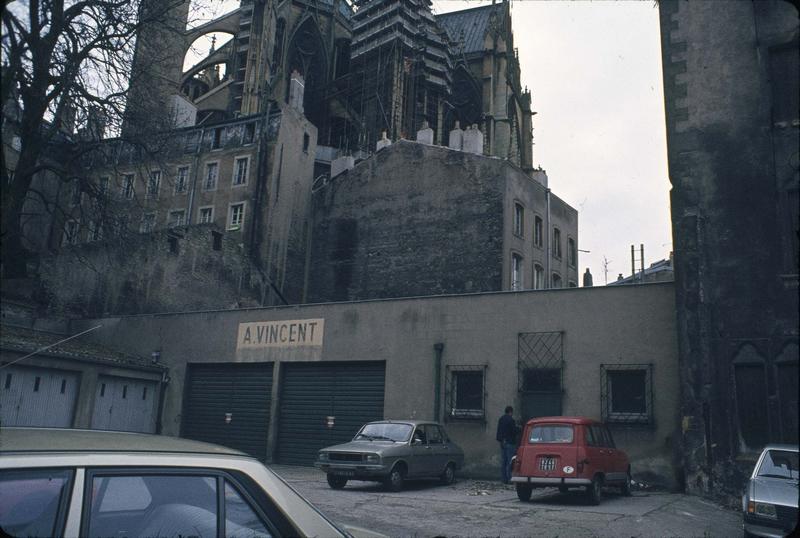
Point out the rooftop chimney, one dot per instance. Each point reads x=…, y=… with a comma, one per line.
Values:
x=456, y=138
x=587, y=279
x=383, y=142
x=425, y=135
x=473, y=140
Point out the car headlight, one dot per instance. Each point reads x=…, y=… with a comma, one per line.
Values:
x=324, y=456
x=373, y=458
x=762, y=509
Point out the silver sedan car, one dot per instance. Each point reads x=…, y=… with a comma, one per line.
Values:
x=58, y=482
x=769, y=503
x=392, y=451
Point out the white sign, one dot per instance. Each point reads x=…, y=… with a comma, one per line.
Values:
x=287, y=333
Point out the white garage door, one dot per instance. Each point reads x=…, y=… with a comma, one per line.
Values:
x=125, y=404
x=37, y=396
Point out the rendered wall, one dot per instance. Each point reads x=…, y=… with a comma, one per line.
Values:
x=623, y=325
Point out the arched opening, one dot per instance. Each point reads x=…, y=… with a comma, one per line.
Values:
x=465, y=100
x=206, y=64
x=307, y=56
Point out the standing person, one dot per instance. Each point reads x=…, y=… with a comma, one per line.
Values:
x=506, y=436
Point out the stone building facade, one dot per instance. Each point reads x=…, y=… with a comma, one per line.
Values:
x=731, y=90
x=461, y=223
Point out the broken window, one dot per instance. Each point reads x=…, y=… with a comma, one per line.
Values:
x=465, y=392
x=627, y=393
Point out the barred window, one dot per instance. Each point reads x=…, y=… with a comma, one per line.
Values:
x=627, y=393
x=466, y=395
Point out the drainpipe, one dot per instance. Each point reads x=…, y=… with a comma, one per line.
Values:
x=162, y=392
x=438, y=347
x=548, y=250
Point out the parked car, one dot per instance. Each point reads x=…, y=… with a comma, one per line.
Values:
x=569, y=452
x=392, y=451
x=769, y=503
x=58, y=482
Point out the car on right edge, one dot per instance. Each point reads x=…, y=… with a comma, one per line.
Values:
x=569, y=452
x=769, y=503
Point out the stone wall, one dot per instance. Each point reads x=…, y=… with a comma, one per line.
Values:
x=181, y=269
x=730, y=84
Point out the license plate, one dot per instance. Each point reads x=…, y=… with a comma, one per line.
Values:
x=344, y=473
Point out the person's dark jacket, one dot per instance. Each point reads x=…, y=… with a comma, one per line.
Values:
x=506, y=429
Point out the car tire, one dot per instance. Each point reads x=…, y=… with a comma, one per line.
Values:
x=394, y=482
x=336, y=482
x=524, y=492
x=594, y=492
x=626, y=487
x=448, y=476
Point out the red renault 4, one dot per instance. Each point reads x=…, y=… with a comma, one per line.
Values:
x=569, y=452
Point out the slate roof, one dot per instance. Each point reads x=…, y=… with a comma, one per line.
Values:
x=24, y=340
x=472, y=22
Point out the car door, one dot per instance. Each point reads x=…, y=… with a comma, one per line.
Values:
x=150, y=502
x=439, y=451
x=617, y=460
x=421, y=461
x=596, y=450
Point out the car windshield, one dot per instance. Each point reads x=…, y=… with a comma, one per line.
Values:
x=384, y=432
x=551, y=433
x=779, y=464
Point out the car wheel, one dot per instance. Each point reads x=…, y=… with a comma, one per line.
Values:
x=448, y=475
x=394, y=482
x=336, y=482
x=524, y=492
x=626, y=487
x=595, y=491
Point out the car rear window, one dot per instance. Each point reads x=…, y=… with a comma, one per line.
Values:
x=779, y=464
x=551, y=433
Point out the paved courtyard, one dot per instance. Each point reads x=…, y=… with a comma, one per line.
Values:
x=485, y=508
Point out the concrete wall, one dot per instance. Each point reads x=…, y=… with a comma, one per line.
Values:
x=624, y=325
x=732, y=134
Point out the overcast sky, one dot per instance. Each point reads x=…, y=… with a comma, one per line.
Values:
x=594, y=69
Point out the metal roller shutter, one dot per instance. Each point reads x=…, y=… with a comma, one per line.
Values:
x=241, y=391
x=350, y=392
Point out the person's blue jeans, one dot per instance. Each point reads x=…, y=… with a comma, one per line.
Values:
x=507, y=451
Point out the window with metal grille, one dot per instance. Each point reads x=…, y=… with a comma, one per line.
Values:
x=626, y=393
x=465, y=392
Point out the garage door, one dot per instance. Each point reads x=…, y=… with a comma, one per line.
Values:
x=228, y=404
x=37, y=396
x=351, y=393
x=125, y=404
